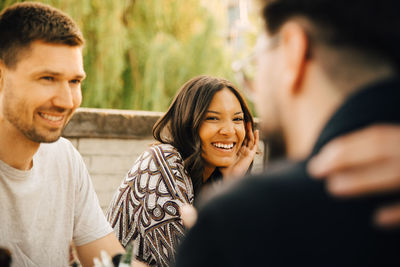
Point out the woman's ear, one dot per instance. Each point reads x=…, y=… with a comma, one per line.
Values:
x=295, y=44
x=2, y=70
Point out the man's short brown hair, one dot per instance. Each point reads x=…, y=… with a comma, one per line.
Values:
x=23, y=23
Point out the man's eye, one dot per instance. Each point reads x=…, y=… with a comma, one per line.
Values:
x=76, y=81
x=47, y=78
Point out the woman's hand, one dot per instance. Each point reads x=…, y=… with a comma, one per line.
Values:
x=245, y=156
x=363, y=163
x=188, y=215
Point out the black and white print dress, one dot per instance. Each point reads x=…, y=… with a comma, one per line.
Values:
x=145, y=209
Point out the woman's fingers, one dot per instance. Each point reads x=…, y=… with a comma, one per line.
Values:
x=256, y=139
x=252, y=147
x=250, y=135
x=245, y=155
x=246, y=140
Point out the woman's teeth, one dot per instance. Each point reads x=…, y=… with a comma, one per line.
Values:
x=225, y=146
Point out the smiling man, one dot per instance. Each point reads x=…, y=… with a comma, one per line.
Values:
x=325, y=69
x=41, y=92
x=46, y=196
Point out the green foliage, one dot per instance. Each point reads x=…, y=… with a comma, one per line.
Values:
x=170, y=41
x=139, y=52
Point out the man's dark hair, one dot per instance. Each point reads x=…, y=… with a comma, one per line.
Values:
x=23, y=23
x=367, y=25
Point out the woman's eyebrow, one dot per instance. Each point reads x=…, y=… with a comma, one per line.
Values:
x=216, y=112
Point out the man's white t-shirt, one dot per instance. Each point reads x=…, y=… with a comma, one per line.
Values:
x=45, y=208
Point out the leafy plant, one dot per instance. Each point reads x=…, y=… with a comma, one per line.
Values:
x=139, y=52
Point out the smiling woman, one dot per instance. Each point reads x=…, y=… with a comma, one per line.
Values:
x=222, y=132
x=206, y=135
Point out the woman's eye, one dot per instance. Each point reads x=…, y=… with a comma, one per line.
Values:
x=211, y=118
x=238, y=119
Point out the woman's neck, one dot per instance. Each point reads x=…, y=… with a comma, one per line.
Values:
x=208, y=170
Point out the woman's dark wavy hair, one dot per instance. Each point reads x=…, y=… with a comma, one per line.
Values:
x=181, y=123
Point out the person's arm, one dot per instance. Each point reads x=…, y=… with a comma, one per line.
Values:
x=92, y=233
x=362, y=163
x=87, y=252
x=146, y=207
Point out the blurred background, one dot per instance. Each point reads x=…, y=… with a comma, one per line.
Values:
x=139, y=52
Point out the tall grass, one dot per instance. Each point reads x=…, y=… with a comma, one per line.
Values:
x=139, y=52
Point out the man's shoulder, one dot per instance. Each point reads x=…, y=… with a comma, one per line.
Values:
x=289, y=180
x=287, y=215
x=291, y=197
x=271, y=198
x=62, y=143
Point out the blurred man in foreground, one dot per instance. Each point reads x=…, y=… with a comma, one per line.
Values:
x=326, y=69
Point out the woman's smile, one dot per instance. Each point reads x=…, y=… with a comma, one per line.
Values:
x=223, y=130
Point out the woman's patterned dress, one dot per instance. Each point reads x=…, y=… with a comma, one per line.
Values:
x=145, y=210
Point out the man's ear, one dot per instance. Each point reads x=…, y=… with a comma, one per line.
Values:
x=294, y=42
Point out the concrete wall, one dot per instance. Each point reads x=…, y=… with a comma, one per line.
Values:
x=110, y=141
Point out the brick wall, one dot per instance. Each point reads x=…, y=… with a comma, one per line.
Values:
x=108, y=160
x=110, y=141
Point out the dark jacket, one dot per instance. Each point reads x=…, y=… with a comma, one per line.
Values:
x=288, y=219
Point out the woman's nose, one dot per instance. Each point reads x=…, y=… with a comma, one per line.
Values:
x=227, y=128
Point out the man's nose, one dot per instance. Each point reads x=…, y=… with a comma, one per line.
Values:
x=64, y=96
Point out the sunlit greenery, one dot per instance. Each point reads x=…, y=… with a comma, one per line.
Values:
x=139, y=52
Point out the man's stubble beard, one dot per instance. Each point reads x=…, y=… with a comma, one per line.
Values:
x=30, y=131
